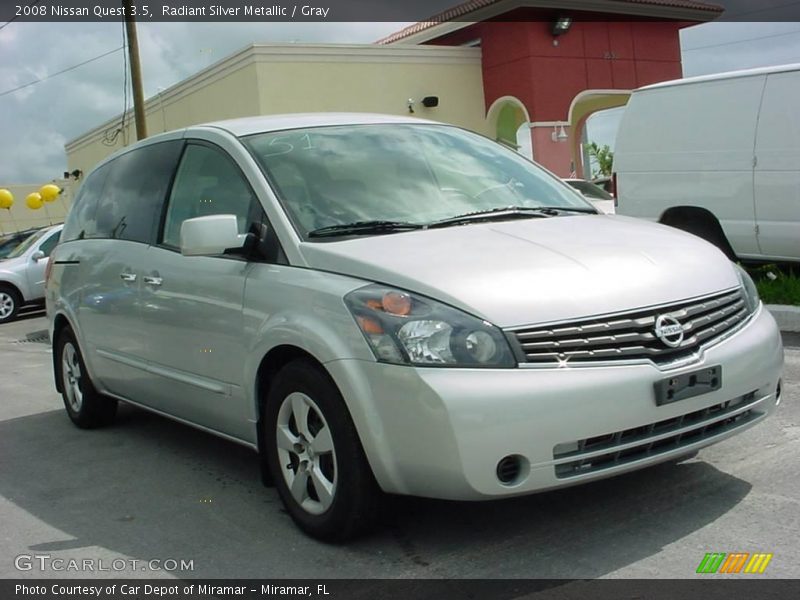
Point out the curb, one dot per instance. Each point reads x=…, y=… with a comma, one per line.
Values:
x=787, y=317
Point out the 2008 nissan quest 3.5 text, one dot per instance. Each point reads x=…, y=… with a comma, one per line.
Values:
x=383, y=304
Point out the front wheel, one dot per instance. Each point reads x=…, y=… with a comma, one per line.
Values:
x=86, y=407
x=315, y=455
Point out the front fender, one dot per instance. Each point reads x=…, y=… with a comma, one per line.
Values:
x=302, y=308
x=17, y=280
x=326, y=340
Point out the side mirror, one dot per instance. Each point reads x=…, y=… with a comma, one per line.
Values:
x=37, y=256
x=210, y=236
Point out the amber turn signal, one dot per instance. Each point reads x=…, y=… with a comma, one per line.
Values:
x=369, y=325
x=396, y=303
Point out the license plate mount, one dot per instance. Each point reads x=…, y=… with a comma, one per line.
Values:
x=680, y=387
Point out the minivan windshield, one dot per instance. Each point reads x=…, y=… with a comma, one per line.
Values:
x=402, y=176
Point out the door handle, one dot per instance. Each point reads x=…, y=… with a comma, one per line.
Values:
x=150, y=280
x=127, y=276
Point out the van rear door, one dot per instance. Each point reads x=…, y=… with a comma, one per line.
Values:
x=777, y=173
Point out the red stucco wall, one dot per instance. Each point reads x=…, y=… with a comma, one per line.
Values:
x=519, y=59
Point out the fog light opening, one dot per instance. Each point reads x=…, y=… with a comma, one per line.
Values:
x=512, y=469
x=778, y=393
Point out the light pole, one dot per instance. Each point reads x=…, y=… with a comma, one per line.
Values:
x=136, y=71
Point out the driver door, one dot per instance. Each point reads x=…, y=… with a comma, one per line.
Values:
x=36, y=268
x=191, y=306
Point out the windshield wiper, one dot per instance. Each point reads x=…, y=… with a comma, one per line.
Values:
x=363, y=228
x=504, y=212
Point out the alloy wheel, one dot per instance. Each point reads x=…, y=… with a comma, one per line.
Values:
x=71, y=376
x=306, y=453
x=6, y=305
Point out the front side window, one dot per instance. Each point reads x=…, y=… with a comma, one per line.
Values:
x=49, y=244
x=419, y=174
x=208, y=182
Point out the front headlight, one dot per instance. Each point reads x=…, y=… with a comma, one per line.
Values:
x=749, y=290
x=408, y=329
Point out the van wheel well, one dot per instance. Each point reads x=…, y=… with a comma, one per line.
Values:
x=59, y=324
x=273, y=362
x=700, y=222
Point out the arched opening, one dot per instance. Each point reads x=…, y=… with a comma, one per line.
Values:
x=583, y=106
x=506, y=117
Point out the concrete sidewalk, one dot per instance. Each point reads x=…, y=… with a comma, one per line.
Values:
x=787, y=317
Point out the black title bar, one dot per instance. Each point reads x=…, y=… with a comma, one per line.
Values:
x=377, y=10
x=707, y=587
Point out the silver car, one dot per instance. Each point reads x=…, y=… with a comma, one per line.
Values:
x=22, y=272
x=381, y=304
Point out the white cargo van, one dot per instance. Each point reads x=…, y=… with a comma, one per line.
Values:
x=718, y=156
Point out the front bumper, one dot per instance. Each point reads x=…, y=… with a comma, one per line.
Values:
x=441, y=432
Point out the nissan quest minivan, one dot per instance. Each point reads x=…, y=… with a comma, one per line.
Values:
x=385, y=304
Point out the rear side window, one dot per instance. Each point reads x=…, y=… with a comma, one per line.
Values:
x=81, y=219
x=130, y=206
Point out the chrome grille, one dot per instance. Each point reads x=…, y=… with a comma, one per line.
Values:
x=623, y=447
x=631, y=336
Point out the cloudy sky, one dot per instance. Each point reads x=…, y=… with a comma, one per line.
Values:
x=37, y=120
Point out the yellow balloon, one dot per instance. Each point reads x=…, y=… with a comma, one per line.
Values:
x=6, y=199
x=49, y=192
x=34, y=201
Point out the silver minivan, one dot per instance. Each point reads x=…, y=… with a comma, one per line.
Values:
x=384, y=304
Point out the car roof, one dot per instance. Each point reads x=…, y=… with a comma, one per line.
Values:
x=722, y=76
x=268, y=123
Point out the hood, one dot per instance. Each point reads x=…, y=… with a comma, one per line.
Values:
x=530, y=271
x=12, y=264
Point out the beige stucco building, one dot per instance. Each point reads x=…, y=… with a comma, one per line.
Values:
x=290, y=78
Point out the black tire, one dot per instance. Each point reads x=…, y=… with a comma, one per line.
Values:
x=707, y=228
x=352, y=507
x=86, y=407
x=10, y=302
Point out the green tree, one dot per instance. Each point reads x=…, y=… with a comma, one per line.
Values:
x=601, y=159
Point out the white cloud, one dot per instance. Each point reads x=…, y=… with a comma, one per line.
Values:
x=37, y=120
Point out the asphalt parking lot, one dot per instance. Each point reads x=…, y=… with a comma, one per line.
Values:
x=148, y=488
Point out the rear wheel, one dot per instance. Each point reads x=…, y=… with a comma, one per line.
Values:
x=10, y=302
x=315, y=455
x=85, y=405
